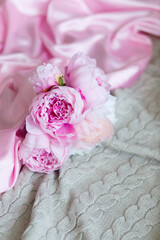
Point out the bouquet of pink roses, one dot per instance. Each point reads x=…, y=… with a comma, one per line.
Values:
x=71, y=112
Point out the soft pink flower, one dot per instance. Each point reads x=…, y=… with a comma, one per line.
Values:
x=55, y=113
x=39, y=154
x=96, y=126
x=83, y=74
x=92, y=130
x=45, y=77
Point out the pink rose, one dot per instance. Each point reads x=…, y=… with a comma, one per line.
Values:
x=55, y=113
x=83, y=74
x=45, y=77
x=39, y=154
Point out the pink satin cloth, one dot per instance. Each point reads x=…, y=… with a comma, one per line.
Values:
x=9, y=163
x=115, y=33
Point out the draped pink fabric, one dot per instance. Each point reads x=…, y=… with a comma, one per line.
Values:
x=9, y=163
x=116, y=33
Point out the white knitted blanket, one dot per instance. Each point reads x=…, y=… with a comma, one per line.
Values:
x=113, y=193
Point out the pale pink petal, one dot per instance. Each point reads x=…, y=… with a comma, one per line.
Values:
x=66, y=134
x=32, y=127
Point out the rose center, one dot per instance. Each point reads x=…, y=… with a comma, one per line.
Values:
x=56, y=109
x=44, y=158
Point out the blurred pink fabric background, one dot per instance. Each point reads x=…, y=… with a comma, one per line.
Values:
x=115, y=33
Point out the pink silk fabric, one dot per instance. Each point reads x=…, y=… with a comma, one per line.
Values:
x=115, y=32
x=9, y=163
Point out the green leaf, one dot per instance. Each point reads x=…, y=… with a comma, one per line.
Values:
x=60, y=81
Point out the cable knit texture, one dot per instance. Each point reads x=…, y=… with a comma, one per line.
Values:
x=112, y=193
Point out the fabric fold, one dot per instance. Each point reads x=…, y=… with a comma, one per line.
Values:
x=9, y=162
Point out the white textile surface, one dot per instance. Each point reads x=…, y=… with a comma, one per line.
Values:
x=113, y=193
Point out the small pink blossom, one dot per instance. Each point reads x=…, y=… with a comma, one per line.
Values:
x=83, y=74
x=45, y=77
x=96, y=126
x=39, y=154
x=92, y=130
